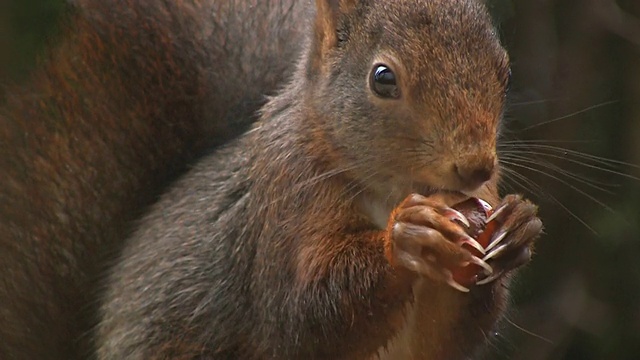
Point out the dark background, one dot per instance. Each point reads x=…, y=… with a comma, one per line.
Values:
x=575, y=103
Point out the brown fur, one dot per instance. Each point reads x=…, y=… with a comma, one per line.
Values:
x=131, y=93
x=276, y=245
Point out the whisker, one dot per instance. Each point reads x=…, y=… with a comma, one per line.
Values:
x=539, y=337
x=529, y=186
x=578, y=154
x=542, y=141
x=593, y=107
x=584, y=180
x=418, y=140
x=551, y=197
x=592, y=198
x=361, y=181
x=578, y=162
x=531, y=102
x=323, y=176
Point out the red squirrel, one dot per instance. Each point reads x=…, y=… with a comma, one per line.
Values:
x=294, y=241
x=326, y=231
x=128, y=95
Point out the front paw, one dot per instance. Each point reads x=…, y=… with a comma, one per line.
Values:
x=426, y=237
x=511, y=245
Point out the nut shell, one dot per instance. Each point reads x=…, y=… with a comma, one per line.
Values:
x=477, y=211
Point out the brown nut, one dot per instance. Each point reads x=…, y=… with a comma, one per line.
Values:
x=477, y=212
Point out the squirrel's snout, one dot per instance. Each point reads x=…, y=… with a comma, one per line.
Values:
x=475, y=171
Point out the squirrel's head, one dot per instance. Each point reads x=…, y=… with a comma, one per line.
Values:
x=414, y=90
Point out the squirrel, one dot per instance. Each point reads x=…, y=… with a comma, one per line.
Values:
x=129, y=94
x=294, y=240
x=325, y=231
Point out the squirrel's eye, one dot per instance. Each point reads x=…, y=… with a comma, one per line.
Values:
x=383, y=82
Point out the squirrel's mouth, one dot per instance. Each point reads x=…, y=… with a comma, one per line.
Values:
x=454, y=195
x=428, y=190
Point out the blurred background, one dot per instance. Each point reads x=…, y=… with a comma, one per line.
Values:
x=571, y=139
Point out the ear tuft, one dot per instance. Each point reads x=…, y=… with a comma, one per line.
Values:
x=328, y=15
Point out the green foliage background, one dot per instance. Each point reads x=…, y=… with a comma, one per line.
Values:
x=576, y=66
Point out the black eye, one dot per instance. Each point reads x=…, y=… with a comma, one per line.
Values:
x=383, y=82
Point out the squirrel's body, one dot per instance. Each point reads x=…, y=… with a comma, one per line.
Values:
x=273, y=247
x=238, y=246
x=292, y=241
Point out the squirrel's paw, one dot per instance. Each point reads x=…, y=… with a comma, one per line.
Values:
x=424, y=239
x=511, y=245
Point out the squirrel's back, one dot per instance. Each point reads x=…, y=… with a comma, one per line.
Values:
x=131, y=93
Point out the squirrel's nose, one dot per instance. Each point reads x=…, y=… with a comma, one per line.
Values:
x=474, y=172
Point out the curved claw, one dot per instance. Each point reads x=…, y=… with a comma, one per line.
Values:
x=454, y=214
x=497, y=239
x=455, y=284
x=497, y=251
x=489, y=279
x=477, y=261
x=474, y=244
x=497, y=213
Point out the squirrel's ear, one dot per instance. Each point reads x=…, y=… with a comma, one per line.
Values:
x=328, y=14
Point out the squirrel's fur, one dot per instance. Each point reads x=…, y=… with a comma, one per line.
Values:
x=291, y=241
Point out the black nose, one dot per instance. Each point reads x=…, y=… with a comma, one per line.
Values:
x=472, y=174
